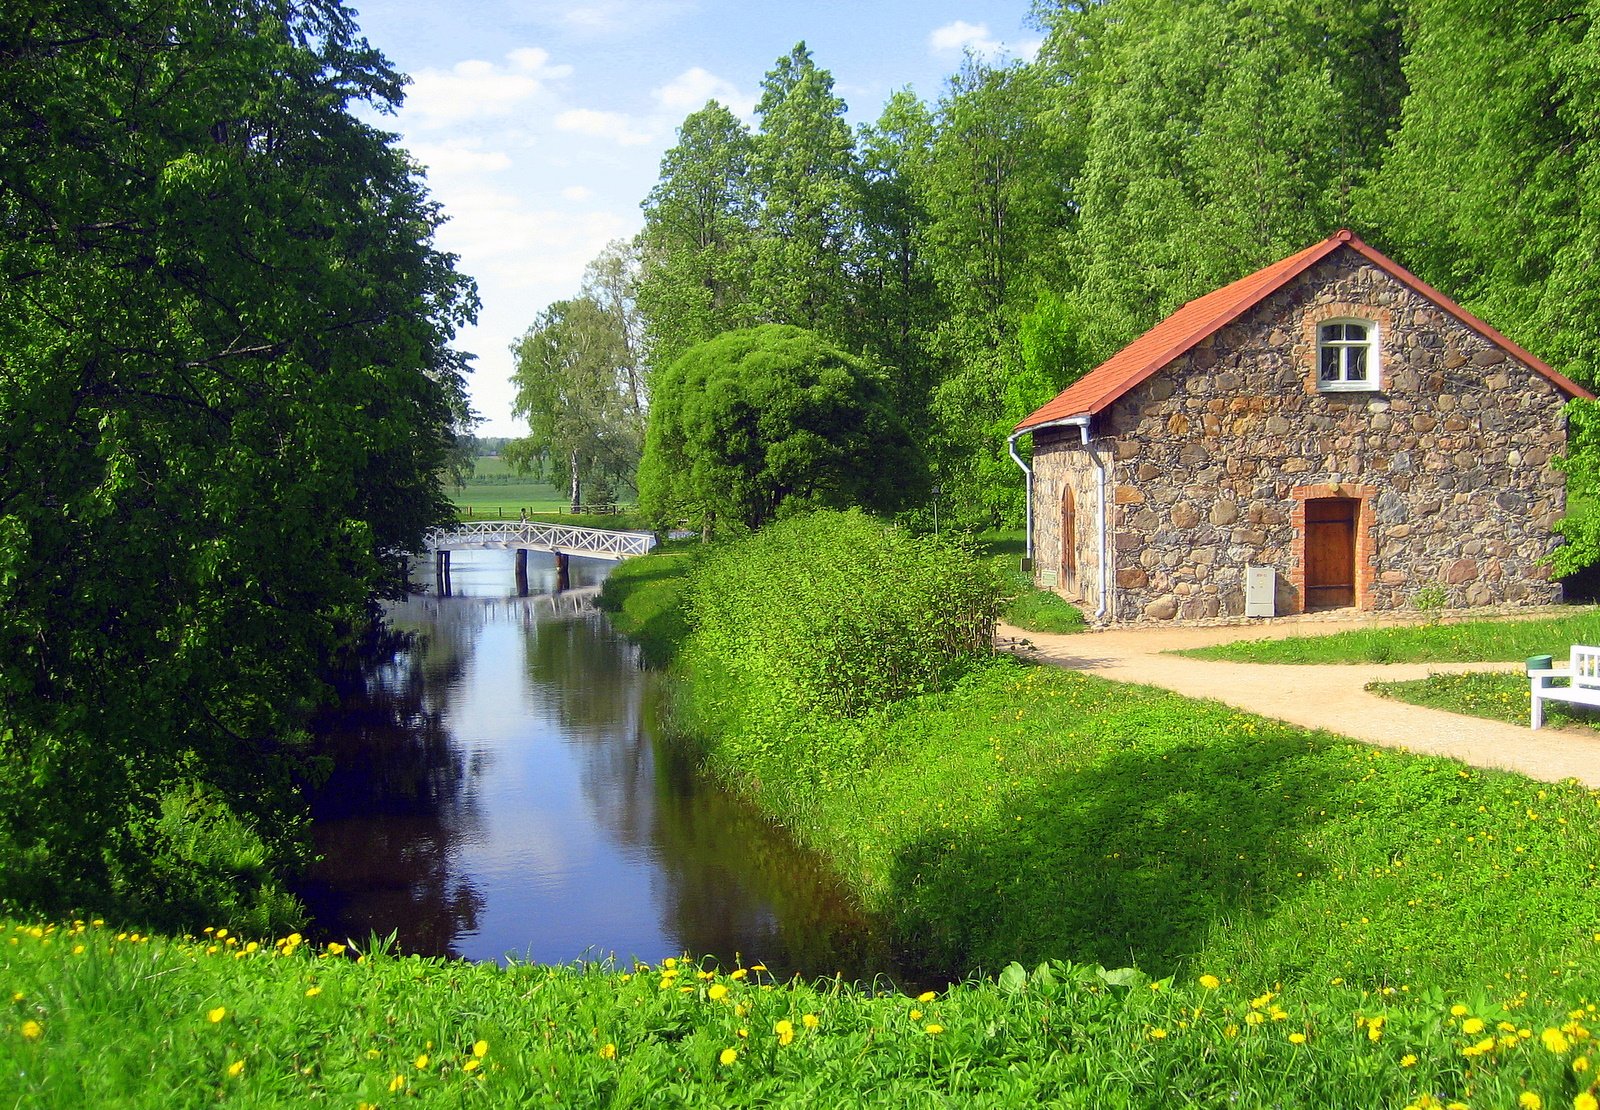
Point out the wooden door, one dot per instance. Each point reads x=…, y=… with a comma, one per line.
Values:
x=1330, y=552
x=1069, y=542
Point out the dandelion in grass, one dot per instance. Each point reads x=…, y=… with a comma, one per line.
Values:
x=1472, y=1026
x=810, y=1021
x=32, y=1030
x=1585, y=1101
x=422, y=1062
x=236, y=1069
x=1554, y=1040
x=1297, y=1038
x=335, y=948
x=727, y=1056
x=1458, y=1010
x=1210, y=982
x=738, y=973
x=608, y=1051
x=1255, y=1017
x=312, y=992
x=1157, y=1034
x=926, y=996
x=785, y=1031
x=1528, y=1100
x=1580, y=1064
x=214, y=1016
x=398, y=1083
x=934, y=1030
x=480, y=1049
x=717, y=992
x=471, y=1066
x=1409, y=1060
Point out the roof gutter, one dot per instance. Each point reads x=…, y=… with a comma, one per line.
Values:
x=1027, y=471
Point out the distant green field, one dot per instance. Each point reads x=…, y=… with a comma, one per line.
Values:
x=495, y=492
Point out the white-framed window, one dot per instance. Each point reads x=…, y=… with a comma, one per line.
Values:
x=1347, y=355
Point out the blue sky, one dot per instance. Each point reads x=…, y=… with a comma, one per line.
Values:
x=542, y=123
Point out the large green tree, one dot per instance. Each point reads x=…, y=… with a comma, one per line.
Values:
x=698, y=244
x=225, y=395
x=580, y=385
x=771, y=419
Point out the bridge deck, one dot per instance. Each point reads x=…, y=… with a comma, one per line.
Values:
x=591, y=543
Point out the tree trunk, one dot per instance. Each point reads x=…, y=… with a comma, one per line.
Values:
x=577, y=499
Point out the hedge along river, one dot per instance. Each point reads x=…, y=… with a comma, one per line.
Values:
x=504, y=787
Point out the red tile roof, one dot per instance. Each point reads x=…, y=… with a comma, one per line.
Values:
x=1201, y=317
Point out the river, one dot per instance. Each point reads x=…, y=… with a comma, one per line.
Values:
x=505, y=789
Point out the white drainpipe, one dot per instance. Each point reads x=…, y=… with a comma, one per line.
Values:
x=1082, y=424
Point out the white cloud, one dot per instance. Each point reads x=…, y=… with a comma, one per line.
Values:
x=602, y=125
x=477, y=89
x=458, y=158
x=577, y=192
x=689, y=91
x=955, y=37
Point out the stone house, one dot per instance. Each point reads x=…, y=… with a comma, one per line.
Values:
x=1327, y=432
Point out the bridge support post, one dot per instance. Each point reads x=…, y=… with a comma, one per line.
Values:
x=441, y=571
x=563, y=581
x=522, y=572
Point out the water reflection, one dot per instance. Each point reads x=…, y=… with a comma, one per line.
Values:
x=504, y=789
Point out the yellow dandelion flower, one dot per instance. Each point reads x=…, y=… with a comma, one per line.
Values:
x=214, y=1016
x=1230, y=1030
x=1210, y=982
x=32, y=1030
x=472, y=1065
x=1157, y=1034
x=335, y=948
x=398, y=1083
x=1472, y=1026
x=1458, y=1010
x=1580, y=1063
x=1527, y=1100
x=810, y=1021
x=785, y=1031
x=1409, y=1060
x=670, y=962
x=219, y=934
x=608, y=1051
x=934, y=1030
x=1585, y=1101
x=421, y=1062
x=1555, y=1041
x=1254, y=1018
x=312, y=992
x=252, y=947
x=926, y=996
x=916, y=1015
x=727, y=1056
x=236, y=1069
x=717, y=992
x=738, y=973
x=480, y=1049
x=1297, y=1038
x=758, y=967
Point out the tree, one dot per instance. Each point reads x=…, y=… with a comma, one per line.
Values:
x=803, y=170
x=767, y=420
x=697, y=245
x=228, y=398
x=580, y=385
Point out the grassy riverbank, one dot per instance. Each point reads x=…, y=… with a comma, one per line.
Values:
x=98, y=1018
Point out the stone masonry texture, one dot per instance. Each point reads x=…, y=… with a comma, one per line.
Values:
x=1212, y=460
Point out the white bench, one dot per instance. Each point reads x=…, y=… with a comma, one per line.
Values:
x=1583, y=682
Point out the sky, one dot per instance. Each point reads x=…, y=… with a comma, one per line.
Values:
x=542, y=123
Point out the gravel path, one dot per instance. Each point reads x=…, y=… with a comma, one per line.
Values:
x=1319, y=696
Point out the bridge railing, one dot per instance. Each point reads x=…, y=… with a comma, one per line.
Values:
x=600, y=543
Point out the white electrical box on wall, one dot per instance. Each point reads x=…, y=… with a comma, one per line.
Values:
x=1260, y=592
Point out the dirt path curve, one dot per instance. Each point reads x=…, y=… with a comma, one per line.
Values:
x=1318, y=696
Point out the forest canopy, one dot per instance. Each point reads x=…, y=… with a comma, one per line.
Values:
x=228, y=396
x=991, y=246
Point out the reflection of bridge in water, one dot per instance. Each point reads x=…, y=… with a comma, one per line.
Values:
x=561, y=540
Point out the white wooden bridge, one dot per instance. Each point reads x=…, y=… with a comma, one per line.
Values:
x=562, y=539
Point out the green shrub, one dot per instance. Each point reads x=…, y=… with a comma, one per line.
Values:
x=835, y=613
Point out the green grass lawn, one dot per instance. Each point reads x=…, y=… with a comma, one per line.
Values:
x=1498, y=697
x=1434, y=642
x=1026, y=606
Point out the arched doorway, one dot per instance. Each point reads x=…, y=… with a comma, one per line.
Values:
x=1069, y=543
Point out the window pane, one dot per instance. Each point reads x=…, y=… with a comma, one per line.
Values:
x=1330, y=364
x=1355, y=332
x=1332, y=333
x=1356, y=364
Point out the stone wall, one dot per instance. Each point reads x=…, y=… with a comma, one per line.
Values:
x=1216, y=455
x=1061, y=463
